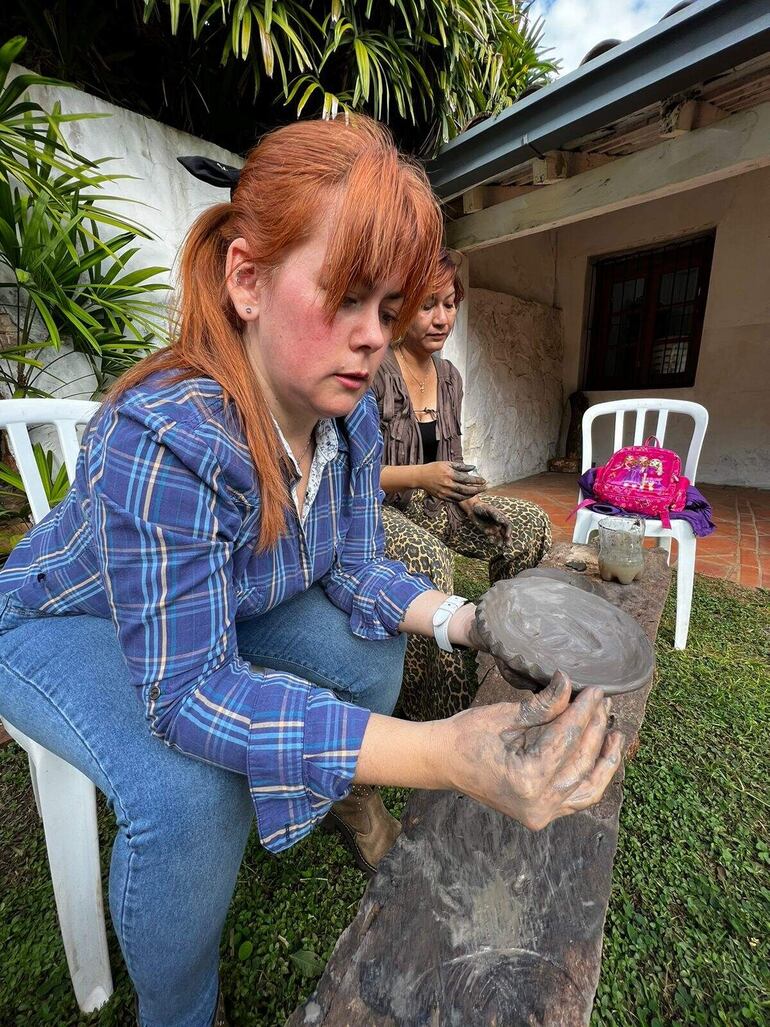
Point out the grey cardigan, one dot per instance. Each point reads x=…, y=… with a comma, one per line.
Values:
x=401, y=436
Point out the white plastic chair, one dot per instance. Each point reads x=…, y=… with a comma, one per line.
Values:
x=587, y=521
x=65, y=798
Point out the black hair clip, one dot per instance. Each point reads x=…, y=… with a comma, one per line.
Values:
x=224, y=176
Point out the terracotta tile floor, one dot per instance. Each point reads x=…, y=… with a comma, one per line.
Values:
x=739, y=550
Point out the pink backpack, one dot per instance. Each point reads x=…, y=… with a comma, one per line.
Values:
x=642, y=479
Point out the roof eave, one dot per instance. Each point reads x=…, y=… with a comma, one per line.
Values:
x=702, y=41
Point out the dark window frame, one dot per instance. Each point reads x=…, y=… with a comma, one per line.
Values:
x=644, y=315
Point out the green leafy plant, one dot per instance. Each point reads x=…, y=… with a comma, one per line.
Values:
x=31, y=136
x=68, y=275
x=24, y=125
x=55, y=481
x=74, y=285
x=426, y=66
x=65, y=252
x=15, y=513
x=307, y=962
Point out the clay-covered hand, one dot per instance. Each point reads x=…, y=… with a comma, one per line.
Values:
x=536, y=760
x=446, y=479
x=488, y=518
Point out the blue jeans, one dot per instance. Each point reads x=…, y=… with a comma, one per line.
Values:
x=182, y=824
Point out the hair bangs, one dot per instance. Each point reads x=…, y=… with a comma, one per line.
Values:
x=447, y=276
x=386, y=226
x=444, y=279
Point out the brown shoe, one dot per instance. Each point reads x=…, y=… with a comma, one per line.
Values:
x=219, y=1016
x=366, y=827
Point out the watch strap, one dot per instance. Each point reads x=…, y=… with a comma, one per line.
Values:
x=441, y=619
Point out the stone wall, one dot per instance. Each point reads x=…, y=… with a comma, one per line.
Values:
x=513, y=391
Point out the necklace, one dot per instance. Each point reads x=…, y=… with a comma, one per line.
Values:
x=420, y=384
x=303, y=454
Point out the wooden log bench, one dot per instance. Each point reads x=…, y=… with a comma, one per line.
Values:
x=472, y=919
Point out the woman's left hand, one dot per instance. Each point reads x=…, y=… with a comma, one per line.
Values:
x=488, y=519
x=472, y=638
x=464, y=631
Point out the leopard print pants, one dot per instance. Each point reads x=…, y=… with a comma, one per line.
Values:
x=436, y=683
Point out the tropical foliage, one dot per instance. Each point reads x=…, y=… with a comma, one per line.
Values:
x=54, y=480
x=227, y=70
x=64, y=251
x=434, y=65
x=68, y=281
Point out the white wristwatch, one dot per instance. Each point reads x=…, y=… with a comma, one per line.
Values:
x=441, y=619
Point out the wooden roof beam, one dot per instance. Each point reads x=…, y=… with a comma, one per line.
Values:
x=483, y=196
x=681, y=114
x=557, y=165
x=734, y=146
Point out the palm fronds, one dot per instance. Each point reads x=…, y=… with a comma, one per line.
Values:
x=65, y=253
x=433, y=66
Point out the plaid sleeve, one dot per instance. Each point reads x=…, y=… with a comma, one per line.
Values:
x=165, y=527
x=374, y=591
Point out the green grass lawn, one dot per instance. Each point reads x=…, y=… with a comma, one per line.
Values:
x=686, y=940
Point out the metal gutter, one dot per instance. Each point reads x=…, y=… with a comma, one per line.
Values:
x=706, y=39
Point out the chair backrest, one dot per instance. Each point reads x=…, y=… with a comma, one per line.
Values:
x=17, y=416
x=641, y=407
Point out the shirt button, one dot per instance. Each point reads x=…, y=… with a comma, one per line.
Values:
x=154, y=692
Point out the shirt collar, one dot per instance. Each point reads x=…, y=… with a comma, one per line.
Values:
x=326, y=444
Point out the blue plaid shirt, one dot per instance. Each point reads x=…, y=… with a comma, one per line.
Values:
x=158, y=532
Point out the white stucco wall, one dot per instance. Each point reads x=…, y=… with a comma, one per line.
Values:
x=161, y=195
x=513, y=394
x=733, y=375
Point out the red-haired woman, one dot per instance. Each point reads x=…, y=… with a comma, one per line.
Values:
x=216, y=574
x=433, y=505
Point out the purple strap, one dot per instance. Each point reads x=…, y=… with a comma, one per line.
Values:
x=580, y=506
x=697, y=511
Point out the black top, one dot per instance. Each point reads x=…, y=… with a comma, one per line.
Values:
x=429, y=441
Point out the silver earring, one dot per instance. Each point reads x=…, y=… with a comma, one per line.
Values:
x=248, y=310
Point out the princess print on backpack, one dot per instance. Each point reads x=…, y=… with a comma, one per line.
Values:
x=651, y=479
x=635, y=470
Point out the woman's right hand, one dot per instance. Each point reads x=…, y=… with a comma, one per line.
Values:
x=446, y=479
x=536, y=760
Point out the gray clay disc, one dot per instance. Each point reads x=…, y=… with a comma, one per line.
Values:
x=539, y=624
x=557, y=574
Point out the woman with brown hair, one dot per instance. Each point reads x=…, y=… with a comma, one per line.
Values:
x=215, y=579
x=433, y=499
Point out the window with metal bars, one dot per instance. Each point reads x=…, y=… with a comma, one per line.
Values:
x=646, y=316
